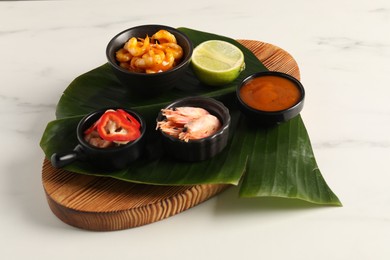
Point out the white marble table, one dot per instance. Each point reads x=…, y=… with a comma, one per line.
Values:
x=343, y=50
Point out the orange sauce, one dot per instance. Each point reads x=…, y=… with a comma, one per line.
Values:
x=270, y=93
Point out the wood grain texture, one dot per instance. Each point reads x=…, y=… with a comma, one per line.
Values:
x=107, y=204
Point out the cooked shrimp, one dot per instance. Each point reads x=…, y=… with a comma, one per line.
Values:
x=163, y=36
x=150, y=55
x=141, y=63
x=173, y=48
x=166, y=64
x=170, y=128
x=155, y=56
x=153, y=61
x=94, y=139
x=168, y=61
x=137, y=48
x=124, y=65
x=187, y=123
x=182, y=115
x=122, y=55
x=137, y=64
x=200, y=128
x=150, y=71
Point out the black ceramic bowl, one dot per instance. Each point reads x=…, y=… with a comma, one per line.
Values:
x=112, y=158
x=200, y=149
x=142, y=83
x=262, y=117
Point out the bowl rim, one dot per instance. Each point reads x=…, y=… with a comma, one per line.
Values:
x=224, y=128
x=183, y=63
x=296, y=82
x=82, y=122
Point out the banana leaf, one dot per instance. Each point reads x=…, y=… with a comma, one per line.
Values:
x=275, y=161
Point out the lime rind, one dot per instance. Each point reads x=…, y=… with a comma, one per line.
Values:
x=217, y=62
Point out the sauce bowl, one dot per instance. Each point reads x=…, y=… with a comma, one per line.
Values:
x=111, y=158
x=270, y=97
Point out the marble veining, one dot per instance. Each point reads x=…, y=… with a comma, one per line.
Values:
x=26, y=107
x=352, y=143
x=382, y=10
x=345, y=43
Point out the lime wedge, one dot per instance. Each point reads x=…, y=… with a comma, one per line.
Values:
x=217, y=62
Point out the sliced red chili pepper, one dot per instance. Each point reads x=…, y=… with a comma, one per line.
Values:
x=91, y=128
x=114, y=127
x=129, y=117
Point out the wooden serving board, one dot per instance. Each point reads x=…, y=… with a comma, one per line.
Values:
x=106, y=204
